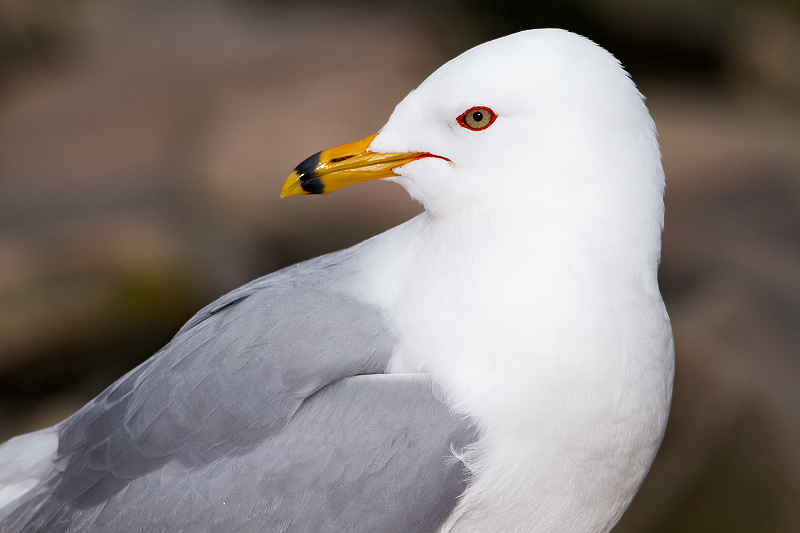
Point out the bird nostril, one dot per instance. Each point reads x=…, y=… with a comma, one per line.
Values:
x=340, y=159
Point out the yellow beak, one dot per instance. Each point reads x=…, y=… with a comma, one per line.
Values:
x=334, y=168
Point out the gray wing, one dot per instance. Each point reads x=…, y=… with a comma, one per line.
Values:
x=245, y=422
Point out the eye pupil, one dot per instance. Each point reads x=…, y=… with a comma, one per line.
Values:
x=477, y=116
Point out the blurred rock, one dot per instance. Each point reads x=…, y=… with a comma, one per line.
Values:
x=36, y=32
x=764, y=43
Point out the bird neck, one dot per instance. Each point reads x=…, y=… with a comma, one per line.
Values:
x=506, y=303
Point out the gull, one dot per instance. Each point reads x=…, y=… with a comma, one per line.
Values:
x=503, y=362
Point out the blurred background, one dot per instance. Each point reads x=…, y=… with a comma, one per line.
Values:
x=143, y=145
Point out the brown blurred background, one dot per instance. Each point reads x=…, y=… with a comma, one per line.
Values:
x=143, y=145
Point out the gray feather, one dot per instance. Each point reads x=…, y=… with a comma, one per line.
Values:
x=245, y=422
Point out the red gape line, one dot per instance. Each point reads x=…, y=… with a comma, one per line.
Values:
x=463, y=124
x=426, y=154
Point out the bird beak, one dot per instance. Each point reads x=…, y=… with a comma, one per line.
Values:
x=333, y=168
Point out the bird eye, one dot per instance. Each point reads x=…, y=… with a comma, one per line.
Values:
x=477, y=118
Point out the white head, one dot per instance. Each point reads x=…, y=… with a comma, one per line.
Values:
x=572, y=134
x=571, y=154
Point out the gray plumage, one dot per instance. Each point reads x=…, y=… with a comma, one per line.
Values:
x=264, y=413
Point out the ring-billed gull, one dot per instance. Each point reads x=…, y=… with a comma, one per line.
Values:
x=502, y=362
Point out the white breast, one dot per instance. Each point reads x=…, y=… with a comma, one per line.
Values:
x=569, y=379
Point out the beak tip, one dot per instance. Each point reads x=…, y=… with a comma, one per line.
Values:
x=292, y=186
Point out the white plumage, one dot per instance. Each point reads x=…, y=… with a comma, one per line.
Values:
x=528, y=287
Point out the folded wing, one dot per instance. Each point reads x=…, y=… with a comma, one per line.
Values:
x=267, y=412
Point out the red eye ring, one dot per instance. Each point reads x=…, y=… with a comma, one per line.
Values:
x=467, y=117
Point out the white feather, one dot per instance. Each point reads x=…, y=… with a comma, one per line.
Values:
x=26, y=462
x=535, y=264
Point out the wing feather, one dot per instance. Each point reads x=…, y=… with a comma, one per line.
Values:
x=260, y=415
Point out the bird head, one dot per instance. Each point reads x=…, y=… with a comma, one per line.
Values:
x=538, y=120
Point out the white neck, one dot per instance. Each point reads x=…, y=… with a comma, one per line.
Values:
x=563, y=336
